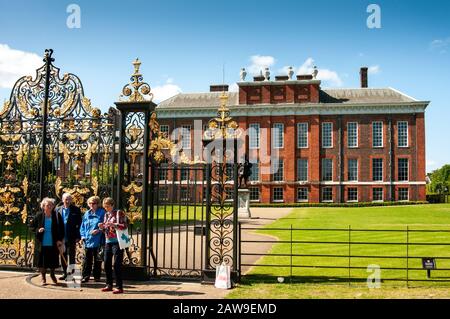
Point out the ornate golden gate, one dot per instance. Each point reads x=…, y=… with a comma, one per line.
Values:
x=76, y=155
x=52, y=140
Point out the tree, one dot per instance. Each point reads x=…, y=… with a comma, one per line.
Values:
x=440, y=180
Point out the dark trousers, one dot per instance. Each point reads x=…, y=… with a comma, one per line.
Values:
x=70, y=252
x=90, y=258
x=110, y=251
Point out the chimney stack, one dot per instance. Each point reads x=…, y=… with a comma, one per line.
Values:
x=364, y=77
x=218, y=88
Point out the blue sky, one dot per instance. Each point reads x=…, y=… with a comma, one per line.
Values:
x=183, y=46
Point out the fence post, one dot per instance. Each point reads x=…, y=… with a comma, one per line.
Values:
x=407, y=256
x=43, y=171
x=349, y=252
x=240, y=251
x=291, y=259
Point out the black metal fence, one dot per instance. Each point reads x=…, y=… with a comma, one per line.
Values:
x=178, y=221
x=349, y=255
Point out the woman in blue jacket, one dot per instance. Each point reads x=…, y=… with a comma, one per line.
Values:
x=49, y=230
x=93, y=238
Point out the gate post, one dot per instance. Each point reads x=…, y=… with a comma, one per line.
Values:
x=43, y=171
x=135, y=136
x=221, y=208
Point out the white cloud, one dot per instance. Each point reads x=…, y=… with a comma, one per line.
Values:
x=431, y=164
x=284, y=70
x=259, y=62
x=375, y=69
x=233, y=88
x=165, y=91
x=307, y=67
x=15, y=63
x=330, y=77
x=440, y=44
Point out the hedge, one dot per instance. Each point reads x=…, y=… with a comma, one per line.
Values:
x=436, y=198
x=362, y=204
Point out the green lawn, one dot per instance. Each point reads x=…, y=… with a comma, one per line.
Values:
x=263, y=280
x=175, y=215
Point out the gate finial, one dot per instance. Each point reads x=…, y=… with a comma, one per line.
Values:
x=137, y=90
x=223, y=126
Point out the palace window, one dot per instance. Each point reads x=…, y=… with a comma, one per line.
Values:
x=403, y=169
x=278, y=194
x=402, y=127
x=377, y=134
x=403, y=194
x=254, y=177
x=165, y=130
x=327, y=194
x=302, y=170
x=302, y=135
x=186, y=136
x=377, y=194
x=377, y=169
x=352, y=194
x=278, y=135
x=327, y=135
x=327, y=169
x=278, y=175
x=302, y=194
x=352, y=134
x=254, y=135
x=254, y=193
x=352, y=170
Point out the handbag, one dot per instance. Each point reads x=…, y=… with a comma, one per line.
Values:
x=123, y=237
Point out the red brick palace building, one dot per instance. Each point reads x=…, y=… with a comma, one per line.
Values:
x=335, y=145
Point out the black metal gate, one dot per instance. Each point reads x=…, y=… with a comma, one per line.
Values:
x=178, y=220
x=183, y=213
x=76, y=156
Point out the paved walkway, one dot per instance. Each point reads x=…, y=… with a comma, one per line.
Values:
x=27, y=285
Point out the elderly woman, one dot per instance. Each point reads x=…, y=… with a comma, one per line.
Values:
x=93, y=238
x=114, y=219
x=49, y=229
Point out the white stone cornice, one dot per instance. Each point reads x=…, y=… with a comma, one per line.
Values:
x=296, y=109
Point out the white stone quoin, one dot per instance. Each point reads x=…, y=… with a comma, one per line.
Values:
x=244, y=203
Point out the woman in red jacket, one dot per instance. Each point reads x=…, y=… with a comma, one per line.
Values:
x=114, y=219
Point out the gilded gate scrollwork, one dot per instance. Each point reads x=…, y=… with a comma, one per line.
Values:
x=79, y=153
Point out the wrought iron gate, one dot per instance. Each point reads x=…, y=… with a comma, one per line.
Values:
x=177, y=225
x=182, y=212
x=185, y=210
x=76, y=155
